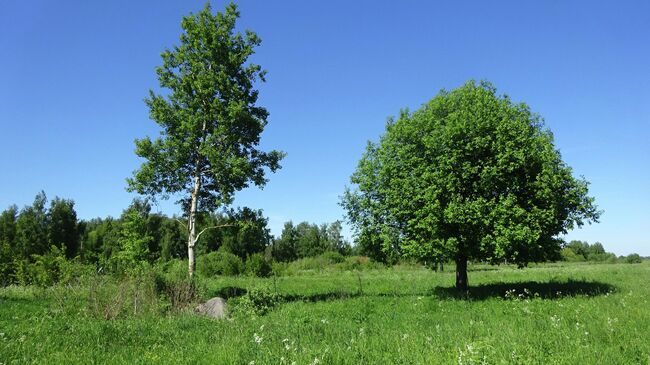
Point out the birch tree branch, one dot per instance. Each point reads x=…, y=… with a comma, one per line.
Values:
x=213, y=227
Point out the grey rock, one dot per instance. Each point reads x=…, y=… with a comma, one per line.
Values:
x=214, y=308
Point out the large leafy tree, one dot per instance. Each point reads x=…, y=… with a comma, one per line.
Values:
x=469, y=176
x=32, y=229
x=63, y=230
x=134, y=237
x=284, y=248
x=7, y=243
x=248, y=232
x=210, y=123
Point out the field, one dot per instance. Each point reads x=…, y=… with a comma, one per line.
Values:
x=545, y=314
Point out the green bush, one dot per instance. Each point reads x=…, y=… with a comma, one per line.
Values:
x=359, y=263
x=281, y=268
x=255, y=302
x=175, y=287
x=74, y=271
x=219, y=262
x=633, y=258
x=333, y=257
x=568, y=254
x=257, y=265
x=330, y=261
x=130, y=296
x=308, y=263
x=50, y=268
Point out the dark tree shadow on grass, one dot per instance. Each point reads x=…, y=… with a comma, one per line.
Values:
x=228, y=292
x=527, y=290
x=513, y=291
x=321, y=297
x=5, y=299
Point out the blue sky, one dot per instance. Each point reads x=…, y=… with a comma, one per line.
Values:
x=74, y=74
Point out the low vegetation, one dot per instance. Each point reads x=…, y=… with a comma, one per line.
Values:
x=550, y=313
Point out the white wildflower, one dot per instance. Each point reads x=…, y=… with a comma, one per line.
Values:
x=257, y=338
x=555, y=320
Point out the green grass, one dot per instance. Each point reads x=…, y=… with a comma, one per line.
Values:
x=400, y=315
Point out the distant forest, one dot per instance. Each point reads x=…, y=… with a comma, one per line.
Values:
x=33, y=238
x=39, y=242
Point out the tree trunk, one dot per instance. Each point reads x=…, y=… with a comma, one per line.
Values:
x=461, y=273
x=191, y=240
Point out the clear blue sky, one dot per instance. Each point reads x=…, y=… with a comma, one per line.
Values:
x=74, y=74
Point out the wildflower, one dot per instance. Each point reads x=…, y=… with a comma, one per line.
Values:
x=555, y=320
x=316, y=361
x=258, y=339
x=325, y=321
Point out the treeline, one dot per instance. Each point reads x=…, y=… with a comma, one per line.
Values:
x=578, y=251
x=38, y=243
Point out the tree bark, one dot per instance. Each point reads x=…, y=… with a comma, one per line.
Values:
x=191, y=240
x=461, y=273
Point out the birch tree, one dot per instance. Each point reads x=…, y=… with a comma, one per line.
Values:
x=210, y=123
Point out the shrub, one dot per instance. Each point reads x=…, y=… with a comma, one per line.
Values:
x=110, y=298
x=568, y=254
x=359, y=263
x=255, y=302
x=633, y=258
x=280, y=268
x=219, y=262
x=178, y=290
x=51, y=268
x=308, y=263
x=257, y=265
x=333, y=257
x=73, y=271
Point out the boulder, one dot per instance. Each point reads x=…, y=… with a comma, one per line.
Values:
x=214, y=308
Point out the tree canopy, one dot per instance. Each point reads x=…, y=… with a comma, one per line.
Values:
x=210, y=121
x=469, y=176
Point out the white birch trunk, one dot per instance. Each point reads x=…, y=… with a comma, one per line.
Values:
x=191, y=241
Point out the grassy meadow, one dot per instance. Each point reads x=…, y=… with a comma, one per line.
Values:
x=544, y=314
